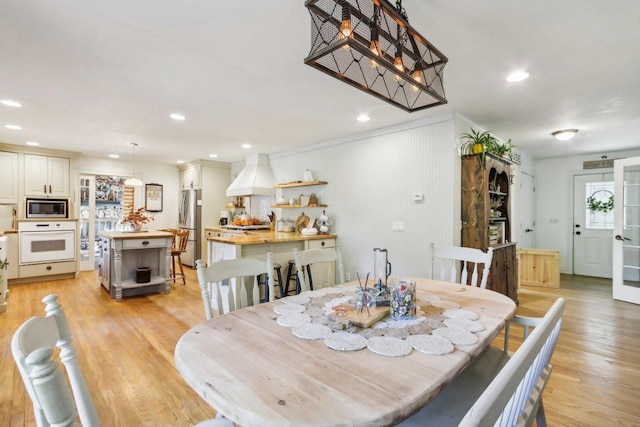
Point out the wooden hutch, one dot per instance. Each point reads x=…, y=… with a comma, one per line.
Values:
x=486, y=217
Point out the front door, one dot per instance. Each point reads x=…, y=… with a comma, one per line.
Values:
x=593, y=225
x=626, y=246
x=525, y=212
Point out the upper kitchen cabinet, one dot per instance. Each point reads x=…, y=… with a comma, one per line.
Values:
x=8, y=177
x=46, y=176
x=486, y=217
x=191, y=178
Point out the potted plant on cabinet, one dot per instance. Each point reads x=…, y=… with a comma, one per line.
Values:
x=483, y=142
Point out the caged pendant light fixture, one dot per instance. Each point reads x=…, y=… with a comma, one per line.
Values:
x=370, y=45
x=133, y=180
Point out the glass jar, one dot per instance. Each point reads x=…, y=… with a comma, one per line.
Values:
x=403, y=300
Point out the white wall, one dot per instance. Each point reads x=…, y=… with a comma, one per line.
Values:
x=166, y=175
x=554, y=200
x=371, y=181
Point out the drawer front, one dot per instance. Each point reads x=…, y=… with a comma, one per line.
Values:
x=321, y=244
x=143, y=243
x=47, y=269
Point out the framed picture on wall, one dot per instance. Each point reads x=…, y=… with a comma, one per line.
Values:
x=153, y=197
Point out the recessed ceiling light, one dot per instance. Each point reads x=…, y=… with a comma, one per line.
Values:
x=10, y=103
x=114, y=156
x=14, y=127
x=246, y=146
x=176, y=116
x=565, y=134
x=180, y=162
x=363, y=118
x=32, y=143
x=517, y=76
x=213, y=155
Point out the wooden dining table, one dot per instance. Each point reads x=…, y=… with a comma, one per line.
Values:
x=257, y=373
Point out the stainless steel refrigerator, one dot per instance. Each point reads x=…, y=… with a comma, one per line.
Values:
x=190, y=219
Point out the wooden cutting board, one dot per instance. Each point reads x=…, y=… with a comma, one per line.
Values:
x=363, y=319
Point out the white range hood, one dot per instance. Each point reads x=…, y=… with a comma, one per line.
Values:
x=256, y=179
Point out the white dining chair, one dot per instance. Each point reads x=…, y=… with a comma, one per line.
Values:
x=54, y=403
x=452, y=264
x=499, y=388
x=228, y=285
x=323, y=262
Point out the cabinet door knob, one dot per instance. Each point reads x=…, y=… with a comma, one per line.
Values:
x=145, y=242
x=49, y=268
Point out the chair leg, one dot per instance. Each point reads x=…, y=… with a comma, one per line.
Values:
x=172, y=273
x=541, y=420
x=184, y=282
x=279, y=277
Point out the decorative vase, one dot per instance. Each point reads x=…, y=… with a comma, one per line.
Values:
x=403, y=300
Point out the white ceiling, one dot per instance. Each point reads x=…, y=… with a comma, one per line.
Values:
x=95, y=75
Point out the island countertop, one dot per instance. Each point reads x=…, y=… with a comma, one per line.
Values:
x=219, y=235
x=124, y=235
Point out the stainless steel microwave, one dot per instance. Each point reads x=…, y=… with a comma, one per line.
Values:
x=47, y=208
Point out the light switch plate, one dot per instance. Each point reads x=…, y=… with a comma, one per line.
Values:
x=397, y=226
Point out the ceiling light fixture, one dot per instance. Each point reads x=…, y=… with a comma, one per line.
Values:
x=133, y=180
x=14, y=127
x=370, y=45
x=114, y=156
x=517, y=76
x=565, y=134
x=246, y=146
x=363, y=118
x=180, y=162
x=213, y=156
x=176, y=116
x=10, y=103
x=32, y=143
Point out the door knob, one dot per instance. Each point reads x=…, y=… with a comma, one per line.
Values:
x=528, y=230
x=619, y=237
x=578, y=233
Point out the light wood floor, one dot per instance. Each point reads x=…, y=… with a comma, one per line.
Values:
x=126, y=353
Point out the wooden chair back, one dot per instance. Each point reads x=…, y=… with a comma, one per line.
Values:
x=498, y=388
x=180, y=240
x=237, y=274
x=33, y=347
x=452, y=264
x=324, y=263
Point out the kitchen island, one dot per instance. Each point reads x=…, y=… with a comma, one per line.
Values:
x=122, y=253
x=226, y=244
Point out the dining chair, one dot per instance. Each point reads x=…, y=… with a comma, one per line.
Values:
x=499, y=388
x=234, y=283
x=179, y=246
x=54, y=403
x=452, y=264
x=322, y=263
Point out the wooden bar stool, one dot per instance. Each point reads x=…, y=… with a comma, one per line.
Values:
x=180, y=240
x=264, y=279
x=292, y=274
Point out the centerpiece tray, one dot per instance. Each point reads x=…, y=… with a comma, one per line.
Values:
x=362, y=319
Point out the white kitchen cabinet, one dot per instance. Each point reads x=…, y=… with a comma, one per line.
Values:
x=8, y=177
x=191, y=178
x=12, y=255
x=46, y=176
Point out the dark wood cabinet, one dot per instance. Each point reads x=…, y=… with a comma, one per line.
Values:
x=486, y=217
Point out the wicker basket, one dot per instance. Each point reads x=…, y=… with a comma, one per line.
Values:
x=313, y=199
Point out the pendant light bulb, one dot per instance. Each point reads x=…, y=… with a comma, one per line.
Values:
x=374, y=47
x=397, y=62
x=133, y=180
x=417, y=76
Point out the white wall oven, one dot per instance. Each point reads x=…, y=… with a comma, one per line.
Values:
x=47, y=241
x=47, y=208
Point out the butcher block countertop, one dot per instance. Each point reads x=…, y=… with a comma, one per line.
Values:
x=9, y=231
x=124, y=235
x=216, y=234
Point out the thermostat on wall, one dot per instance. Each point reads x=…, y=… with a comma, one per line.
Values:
x=418, y=197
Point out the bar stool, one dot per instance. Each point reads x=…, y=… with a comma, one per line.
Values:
x=292, y=274
x=264, y=279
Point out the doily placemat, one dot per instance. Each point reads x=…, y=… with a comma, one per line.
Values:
x=288, y=308
x=430, y=344
x=460, y=313
x=456, y=336
x=464, y=324
x=389, y=346
x=292, y=320
x=296, y=299
x=344, y=341
x=312, y=331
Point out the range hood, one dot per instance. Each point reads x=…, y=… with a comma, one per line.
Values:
x=256, y=179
